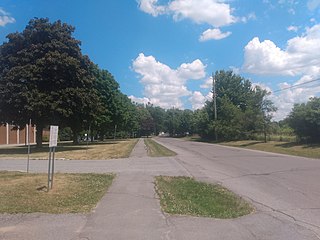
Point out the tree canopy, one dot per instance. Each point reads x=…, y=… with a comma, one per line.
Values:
x=242, y=109
x=45, y=77
x=305, y=120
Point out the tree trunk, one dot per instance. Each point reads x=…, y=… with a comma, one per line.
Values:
x=39, y=135
x=75, y=134
x=265, y=132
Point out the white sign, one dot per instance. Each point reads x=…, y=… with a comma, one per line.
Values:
x=53, y=136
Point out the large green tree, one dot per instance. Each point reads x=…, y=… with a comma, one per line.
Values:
x=45, y=77
x=242, y=109
x=305, y=120
x=109, y=94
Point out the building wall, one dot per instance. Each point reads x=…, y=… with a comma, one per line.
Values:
x=11, y=135
x=3, y=134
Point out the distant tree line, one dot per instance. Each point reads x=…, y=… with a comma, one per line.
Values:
x=244, y=112
x=45, y=77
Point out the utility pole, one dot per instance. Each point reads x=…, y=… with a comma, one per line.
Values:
x=215, y=105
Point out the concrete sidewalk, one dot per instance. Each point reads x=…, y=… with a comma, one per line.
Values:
x=140, y=150
x=131, y=209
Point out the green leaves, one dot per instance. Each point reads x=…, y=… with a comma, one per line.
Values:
x=305, y=120
x=241, y=108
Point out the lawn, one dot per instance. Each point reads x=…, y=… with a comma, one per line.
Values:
x=185, y=196
x=71, y=193
x=290, y=148
x=93, y=151
x=157, y=150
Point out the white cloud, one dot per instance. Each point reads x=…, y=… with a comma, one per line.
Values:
x=215, y=13
x=5, y=18
x=235, y=70
x=208, y=83
x=197, y=100
x=215, y=34
x=301, y=55
x=313, y=4
x=262, y=86
x=287, y=98
x=313, y=20
x=151, y=7
x=194, y=70
x=293, y=28
x=164, y=86
x=289, y=95
x=300, y=58
x=143, y=100
x=250, y=16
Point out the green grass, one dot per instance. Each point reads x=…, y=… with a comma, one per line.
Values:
x=290, y=148
x=71, y=193
x=157, y=150
x=109, y=149
x=185, y=196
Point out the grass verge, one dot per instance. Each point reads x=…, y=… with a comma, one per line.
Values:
x=157, y=150
x=93, y=151
x=71, y=193
x=185, y=196
x=290, y=148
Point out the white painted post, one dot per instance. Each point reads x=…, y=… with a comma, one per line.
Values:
x=34, y=134
x=18, y=136
x=7, y=137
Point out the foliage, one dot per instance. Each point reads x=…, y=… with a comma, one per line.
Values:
x=179, y=122
x=242, y=109
x=146, y=121
x=108, y=91
x=305, y=120
x=45, y=77
x=158, y=115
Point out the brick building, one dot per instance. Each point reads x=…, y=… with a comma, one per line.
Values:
x=9, y=134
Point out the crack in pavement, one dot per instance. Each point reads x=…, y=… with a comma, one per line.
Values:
x=296, y=221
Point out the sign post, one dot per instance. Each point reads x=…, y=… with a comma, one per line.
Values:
x=52, y=147
x=28, y=142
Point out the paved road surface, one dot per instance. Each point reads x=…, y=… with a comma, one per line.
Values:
x=285, y=191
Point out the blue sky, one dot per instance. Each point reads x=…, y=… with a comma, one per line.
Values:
x=164, y=52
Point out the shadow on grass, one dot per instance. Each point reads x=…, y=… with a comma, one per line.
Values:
x=62, y=147
x=250, y=144
x=294, y=144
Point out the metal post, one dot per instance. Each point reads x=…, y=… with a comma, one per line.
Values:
x=52, y=171
x=215, y=106
x=115, y=131
x=49, y=170
x=28, y=141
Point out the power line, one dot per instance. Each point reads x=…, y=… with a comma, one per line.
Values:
x=297, y=85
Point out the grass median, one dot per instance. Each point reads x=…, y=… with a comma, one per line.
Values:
x=157, y=150
x=92, y=151
x=185, y=196
x=71, y=193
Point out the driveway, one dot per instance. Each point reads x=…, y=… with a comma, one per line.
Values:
x=285, y=191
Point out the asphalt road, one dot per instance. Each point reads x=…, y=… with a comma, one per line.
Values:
x=285, y=191
x=284, y=187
